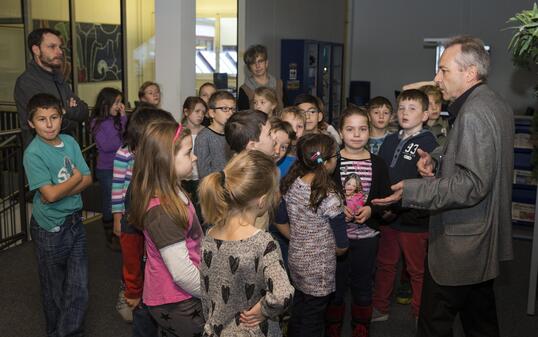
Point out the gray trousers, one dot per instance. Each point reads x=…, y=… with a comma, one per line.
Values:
x=182, y=319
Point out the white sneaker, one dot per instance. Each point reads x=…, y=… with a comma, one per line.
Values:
x=378, y=316
x=123, y=308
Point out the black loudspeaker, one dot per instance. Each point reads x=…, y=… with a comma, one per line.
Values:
x=359, y=92
x=220, y=80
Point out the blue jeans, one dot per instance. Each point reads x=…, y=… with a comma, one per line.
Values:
x=105, y=182
x=62, y=263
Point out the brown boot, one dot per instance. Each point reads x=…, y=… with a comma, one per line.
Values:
x=360, y=320
x=333, y=320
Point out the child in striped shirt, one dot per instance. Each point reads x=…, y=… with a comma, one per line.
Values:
x=131, y=239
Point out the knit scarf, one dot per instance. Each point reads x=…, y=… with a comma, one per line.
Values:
x=252, y=84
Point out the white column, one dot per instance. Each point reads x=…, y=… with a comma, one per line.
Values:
x=175, y=23
x=241, y=41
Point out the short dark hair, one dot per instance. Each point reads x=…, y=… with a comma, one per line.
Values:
x=414, y=95
x=144, y=115
x=190, y=104
x=352, y=110
x=36, y=36
x=42, y=101
x=307, y=98
x=315, y=101
x=219, y=95
x=244, y=126
x=378, y=102
x=278, y=124
x=254, y=51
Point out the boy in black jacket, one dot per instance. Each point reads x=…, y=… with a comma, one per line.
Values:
x=408, y=232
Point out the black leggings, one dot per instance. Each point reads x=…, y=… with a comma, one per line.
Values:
x=356, y=269
x=308, y=315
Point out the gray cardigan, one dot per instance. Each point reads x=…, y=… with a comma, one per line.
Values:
x=212, y=151
x=471, y=222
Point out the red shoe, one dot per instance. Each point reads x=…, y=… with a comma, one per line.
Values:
x=360, y=330
x=360, y=320
x=333, y=320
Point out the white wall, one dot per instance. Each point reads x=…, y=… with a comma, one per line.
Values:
x=388, y=50
x=267, y=22
x=174, y=52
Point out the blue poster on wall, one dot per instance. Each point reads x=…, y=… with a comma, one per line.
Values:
x=99, y=49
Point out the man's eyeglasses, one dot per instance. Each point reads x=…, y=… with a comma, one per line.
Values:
x=226, y=108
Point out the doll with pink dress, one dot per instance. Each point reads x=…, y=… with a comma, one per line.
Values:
x=355, y=199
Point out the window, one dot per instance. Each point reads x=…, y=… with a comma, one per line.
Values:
x=216, y=41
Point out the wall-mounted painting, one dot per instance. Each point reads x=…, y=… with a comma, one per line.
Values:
x=99, y=49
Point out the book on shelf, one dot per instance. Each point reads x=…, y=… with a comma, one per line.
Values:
x=524, y=177
x=523, y=212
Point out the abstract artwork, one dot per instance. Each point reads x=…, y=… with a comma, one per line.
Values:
x=99, y=49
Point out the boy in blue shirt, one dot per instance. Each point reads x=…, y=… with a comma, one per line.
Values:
x=380, y=114
x=58, y=173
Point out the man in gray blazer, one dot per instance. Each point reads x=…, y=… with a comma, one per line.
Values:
x=467, y=186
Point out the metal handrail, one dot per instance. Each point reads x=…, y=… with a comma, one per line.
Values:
x=7, y=141
x=10, y=132
x=14, y=233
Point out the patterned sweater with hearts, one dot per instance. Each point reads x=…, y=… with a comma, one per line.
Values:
x=236, y=275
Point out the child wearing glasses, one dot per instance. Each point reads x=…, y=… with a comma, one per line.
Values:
x=210, y=146
x=312, y=107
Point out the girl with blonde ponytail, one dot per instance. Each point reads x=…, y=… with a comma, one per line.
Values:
x=244, y=284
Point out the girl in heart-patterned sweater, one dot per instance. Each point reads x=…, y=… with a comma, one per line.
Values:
x=244, y=284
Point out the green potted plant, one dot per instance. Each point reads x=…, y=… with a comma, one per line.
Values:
x=524, y=49
x=524, y=43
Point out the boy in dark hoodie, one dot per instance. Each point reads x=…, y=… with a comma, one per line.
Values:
x=408, y=231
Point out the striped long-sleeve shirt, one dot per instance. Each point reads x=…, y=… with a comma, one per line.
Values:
x=122, y=173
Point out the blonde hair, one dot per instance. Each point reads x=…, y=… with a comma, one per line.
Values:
x=270, y=95
x=433, y=91
x=247, y=176
x=154, y=174
x=293, y=111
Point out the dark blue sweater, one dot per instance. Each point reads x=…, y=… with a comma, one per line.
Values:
x=401, y=157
